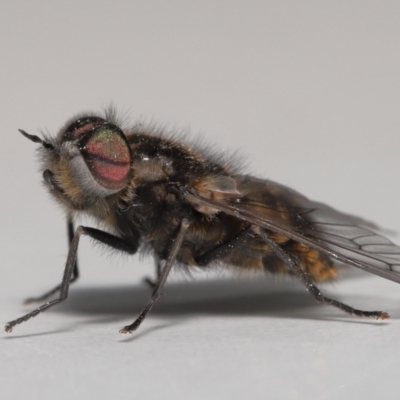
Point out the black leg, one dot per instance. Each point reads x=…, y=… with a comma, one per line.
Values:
x=305, y=278
x=116, y=242
x=177, y=243
x=71, y=232
x=222, y=249
x=101, y=236
x=75, y=272
x=152, y=284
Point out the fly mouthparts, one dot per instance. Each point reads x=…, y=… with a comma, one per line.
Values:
x=48, y=177
x=36, y=139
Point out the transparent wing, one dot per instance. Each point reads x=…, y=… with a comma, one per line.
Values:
x=281, y=210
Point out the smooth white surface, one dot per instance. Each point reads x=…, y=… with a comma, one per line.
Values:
x=309, y=93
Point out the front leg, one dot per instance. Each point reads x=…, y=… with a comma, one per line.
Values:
x=101, y=236
x=75, y=272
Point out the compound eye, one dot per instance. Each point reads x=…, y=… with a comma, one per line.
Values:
x=108, y=157
x=82, y=126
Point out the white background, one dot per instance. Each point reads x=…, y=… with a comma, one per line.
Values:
x=307, y=91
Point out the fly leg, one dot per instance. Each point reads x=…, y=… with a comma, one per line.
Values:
x=152, y=284
x=215, y=253
x=75, y=272
x=177, y=243
x=306, y=280
x=104, y=237
x=222, y=249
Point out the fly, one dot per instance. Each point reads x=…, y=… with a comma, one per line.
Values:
x=192, y=208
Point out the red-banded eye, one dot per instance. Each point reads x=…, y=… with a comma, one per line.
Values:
x=81, y=126
x=107, y=154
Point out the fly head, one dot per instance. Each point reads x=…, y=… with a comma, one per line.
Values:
x=89, y=160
